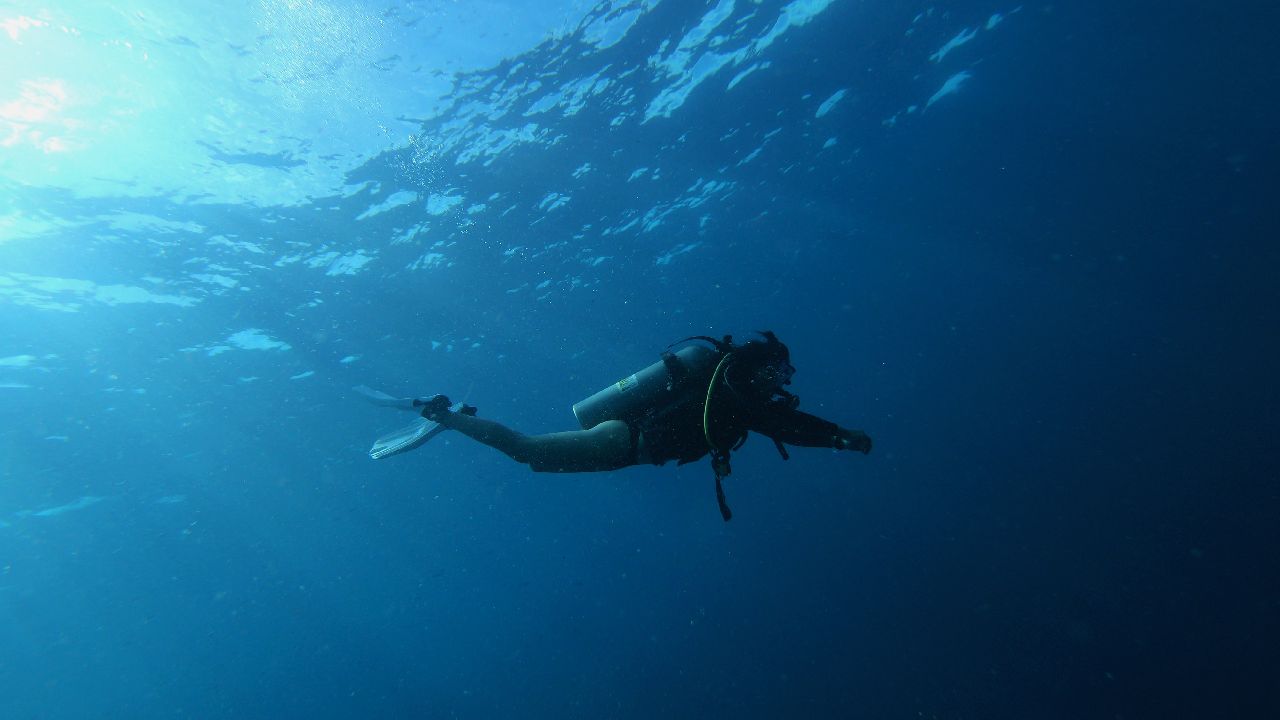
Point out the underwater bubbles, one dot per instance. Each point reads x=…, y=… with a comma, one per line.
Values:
x=421, y=163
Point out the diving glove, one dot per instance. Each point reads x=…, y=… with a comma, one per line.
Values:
x=853, y=440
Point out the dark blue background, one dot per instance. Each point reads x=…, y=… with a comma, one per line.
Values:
x=1050, y=299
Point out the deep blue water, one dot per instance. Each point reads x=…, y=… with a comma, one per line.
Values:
x=1030, y=249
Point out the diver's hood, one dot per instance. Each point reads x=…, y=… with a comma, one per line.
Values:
x=760, y=367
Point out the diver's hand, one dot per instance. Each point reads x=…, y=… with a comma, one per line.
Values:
x=853, y=440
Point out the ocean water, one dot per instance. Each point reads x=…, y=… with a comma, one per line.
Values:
x=1030, y=248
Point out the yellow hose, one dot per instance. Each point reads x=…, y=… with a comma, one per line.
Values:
x=706, y=406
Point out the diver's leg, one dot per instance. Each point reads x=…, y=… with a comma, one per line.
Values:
x=495, y=435
x=607, y=446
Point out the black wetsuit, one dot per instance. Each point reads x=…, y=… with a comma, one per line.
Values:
x=678, y=434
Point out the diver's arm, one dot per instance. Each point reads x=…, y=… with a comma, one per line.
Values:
x=794, y=427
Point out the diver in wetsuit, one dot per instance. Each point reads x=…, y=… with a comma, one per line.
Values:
x=699, y=401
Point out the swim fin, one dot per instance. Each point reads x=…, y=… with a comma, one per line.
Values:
x=405, y=439
x=377, y=397
x=411, y=436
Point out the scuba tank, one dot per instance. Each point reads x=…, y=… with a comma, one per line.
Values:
x=650, y=391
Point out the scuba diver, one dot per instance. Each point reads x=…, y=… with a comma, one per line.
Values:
x=702, y=400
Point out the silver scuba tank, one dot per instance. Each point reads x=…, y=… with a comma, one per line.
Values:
x=649, y=390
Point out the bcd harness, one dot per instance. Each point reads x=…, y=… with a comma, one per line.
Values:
x=719, y=454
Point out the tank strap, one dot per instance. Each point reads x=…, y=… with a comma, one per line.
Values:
x=677, y=373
